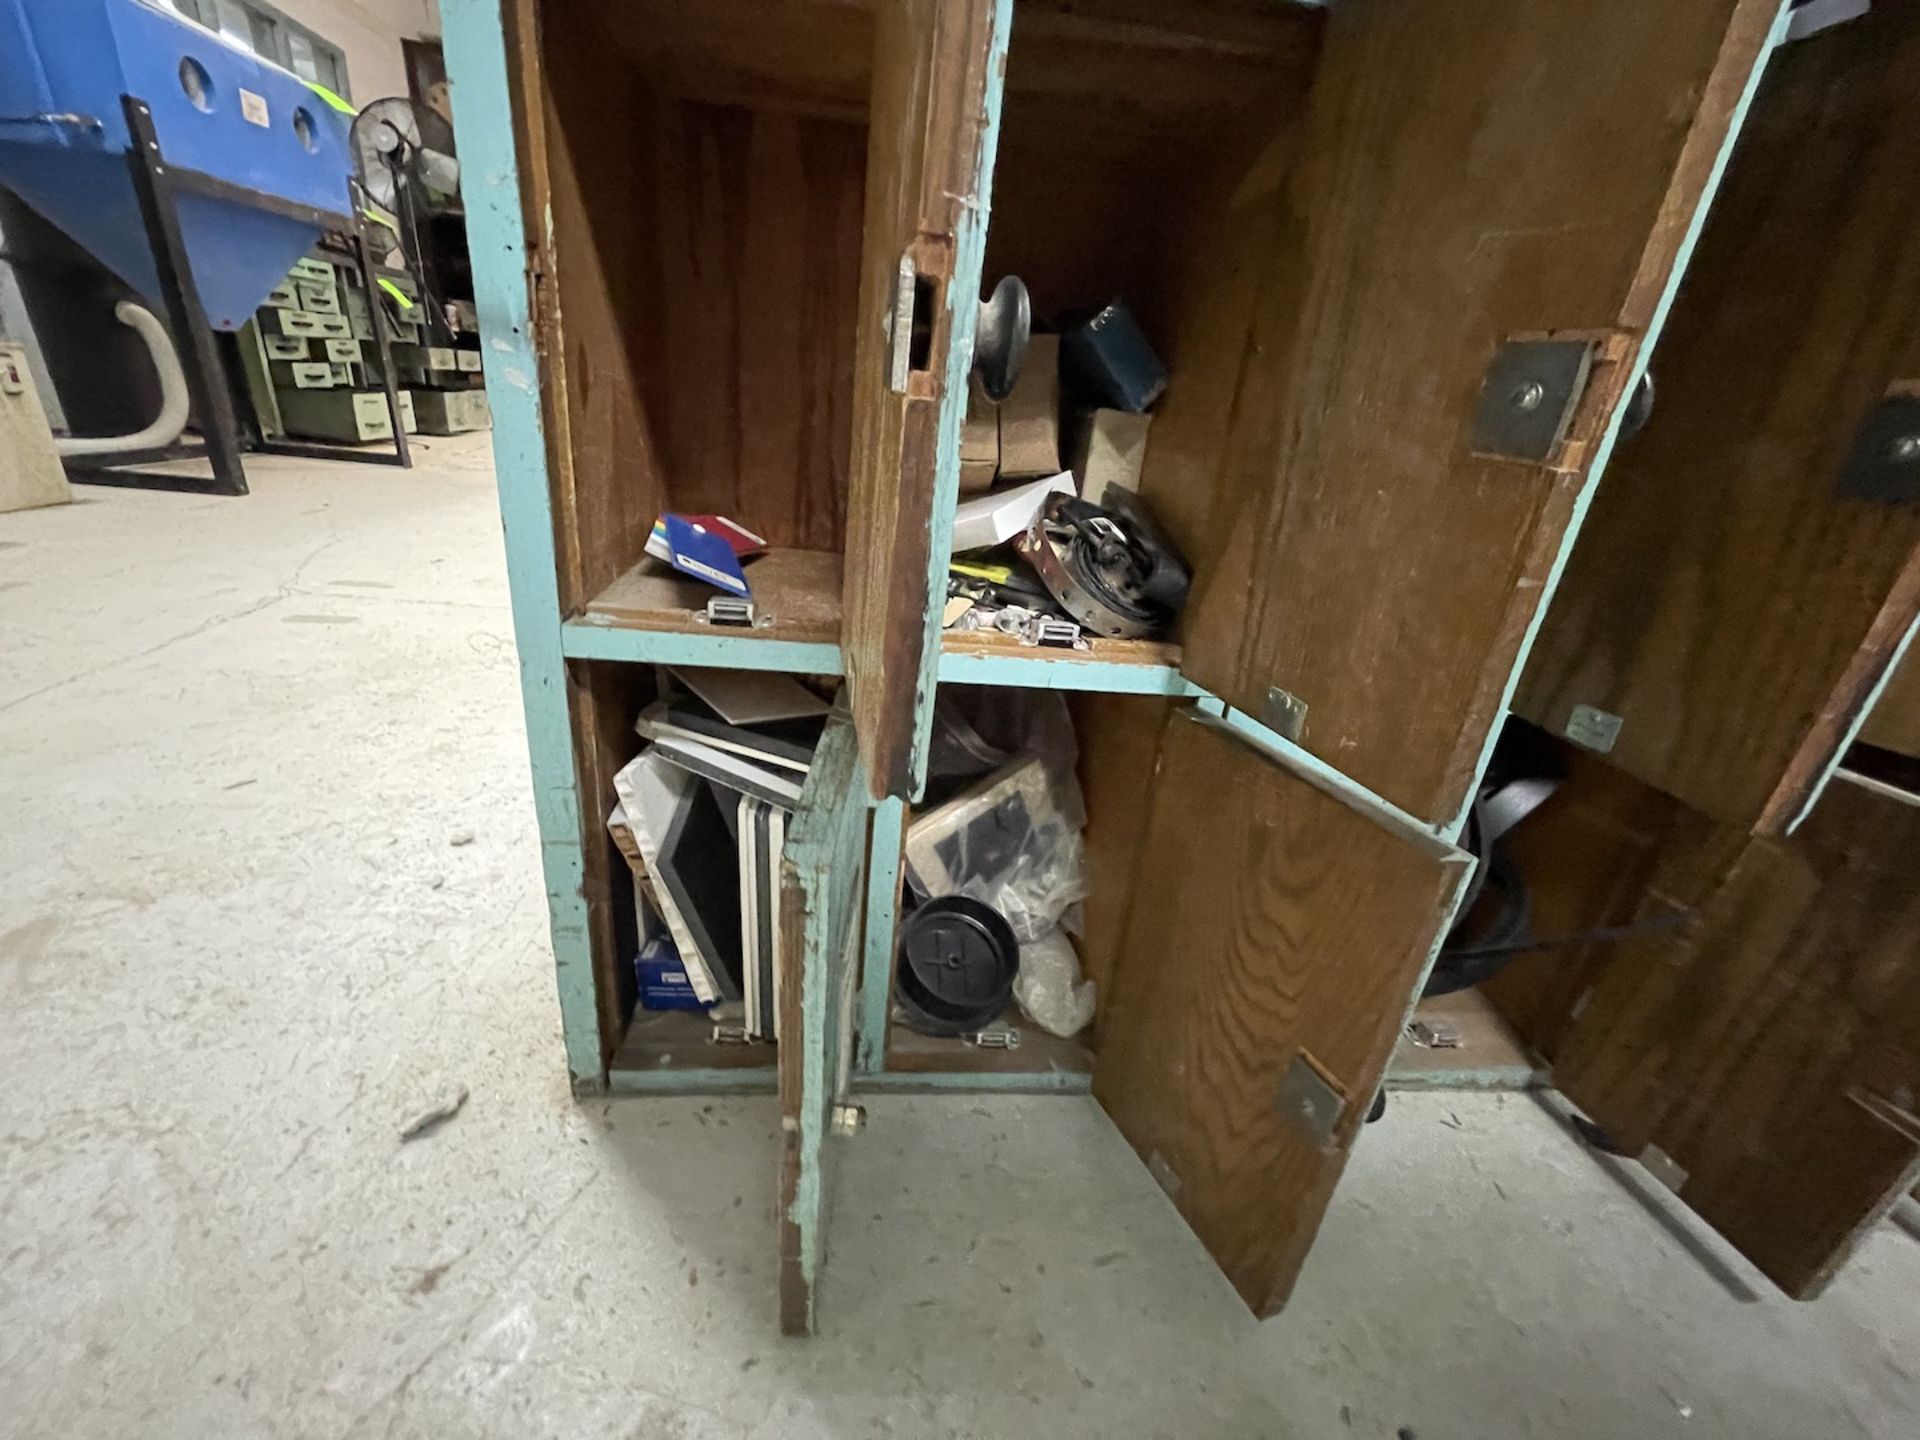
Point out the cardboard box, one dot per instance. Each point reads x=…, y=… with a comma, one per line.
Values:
x=1109, y=447
x=283, y=297
x=299, y=322
x=408, y=421
x=343, y=352
x=979, y=442
x=317, y=272
x=302, y=375
x=1030, y=416
x=451, y=412
x=350, y=416
x=284, y=347
x=468, y=361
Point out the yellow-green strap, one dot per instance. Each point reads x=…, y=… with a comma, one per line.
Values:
x=343, y=106
x=396, y=292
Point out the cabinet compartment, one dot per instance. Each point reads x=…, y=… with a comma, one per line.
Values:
x=706, y=169
x=1127, y=134
x=1117, y=738
x=645, y=1049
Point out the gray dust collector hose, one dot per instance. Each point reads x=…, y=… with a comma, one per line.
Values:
x=172, y=419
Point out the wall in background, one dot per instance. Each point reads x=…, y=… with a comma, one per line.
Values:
x=369, y=32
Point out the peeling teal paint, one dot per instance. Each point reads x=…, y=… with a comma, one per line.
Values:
x=593, y=639
x=963, y=303
x=1040, y=671
x=876, y=969
x=477, y=64
x=824, y=857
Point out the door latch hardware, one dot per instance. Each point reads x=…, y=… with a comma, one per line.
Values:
x=1308, y=1098
x=1285, y=714
x=847, y=1120
x=999, y=1037
x=900, y=326
x=1435, y=1034
x=1883, y=467
x=1528, y=399
x=731, y=610
x=1054, y=634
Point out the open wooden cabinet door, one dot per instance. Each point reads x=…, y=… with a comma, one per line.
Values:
x=1751, y=563
x=1769, y=1049
x=937, y=71
x=1277, y=932
x=823, y=870
x=1485, y=213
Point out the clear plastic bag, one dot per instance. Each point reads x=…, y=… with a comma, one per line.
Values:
x=1012, y=839
x=1049, y=986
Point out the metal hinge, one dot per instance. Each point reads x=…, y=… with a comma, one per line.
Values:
x=1883, y=465
x=847, y=1120
x=1529, y=397
x=1308, y=1098
x=1285, y=714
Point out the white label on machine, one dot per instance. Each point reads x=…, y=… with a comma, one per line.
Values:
x=254, y=108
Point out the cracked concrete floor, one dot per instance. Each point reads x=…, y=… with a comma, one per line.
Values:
x=239, y=948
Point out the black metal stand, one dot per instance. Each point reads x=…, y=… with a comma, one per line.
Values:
x=157, y=186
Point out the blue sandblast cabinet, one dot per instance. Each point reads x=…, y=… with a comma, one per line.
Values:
x=64, y=64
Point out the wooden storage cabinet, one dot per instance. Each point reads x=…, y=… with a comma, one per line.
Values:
x=694, y=226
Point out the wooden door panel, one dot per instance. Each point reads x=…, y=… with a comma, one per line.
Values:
x=1274, y=941
x=1725, y=601
x=1772, y=1048
x=937, y=72
x=822, y=896
x=1470, y=174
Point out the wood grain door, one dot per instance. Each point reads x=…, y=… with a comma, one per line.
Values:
x=822, y=892
x=1771, y=1049
x=1276, y=935
x=1746, y=574
x=937, y=70
x=1472, y=178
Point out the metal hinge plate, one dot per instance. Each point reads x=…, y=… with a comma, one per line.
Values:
x=900, y=327
x=1285, y=714
x=1308, y=1098
x=1884, y=464
x=1528, y=400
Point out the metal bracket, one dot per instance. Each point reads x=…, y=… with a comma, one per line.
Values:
x=1285, y=714
x=1000, y=1037
x=847, y=1120
x=1308, y=1097
x=1884, y=464
x=1528, y=400
x=732, y=1035
x=731, y=610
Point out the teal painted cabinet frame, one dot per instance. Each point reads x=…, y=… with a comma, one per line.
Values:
x=1315, y=62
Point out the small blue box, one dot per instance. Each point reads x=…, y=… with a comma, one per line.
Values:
x=663, y=979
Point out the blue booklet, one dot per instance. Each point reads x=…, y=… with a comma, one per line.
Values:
x=700, y=551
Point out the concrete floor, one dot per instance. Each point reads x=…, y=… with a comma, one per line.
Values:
x=241, y=944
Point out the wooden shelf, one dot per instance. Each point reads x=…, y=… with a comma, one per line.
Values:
x=798, y=589
x=1489, y=1056
x=1042, y=1061
x=1145, y=667
x=659, y=1040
